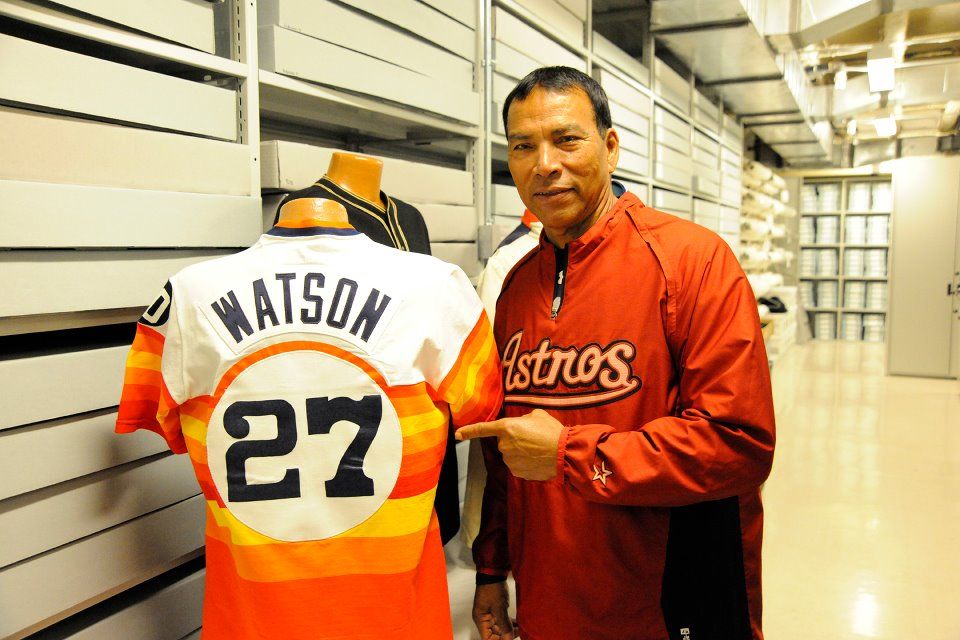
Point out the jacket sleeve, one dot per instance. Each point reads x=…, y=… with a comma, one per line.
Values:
x=490, y=546
x=719, y=441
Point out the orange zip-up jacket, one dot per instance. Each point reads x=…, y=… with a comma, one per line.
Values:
x=642, y=338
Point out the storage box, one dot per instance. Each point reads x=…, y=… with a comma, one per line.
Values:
x=462, y=254
x=506, y=201
x=63, y=514
x=62, y=281
x=567, y=26
x=50, y=586
x=706, y=186
x=46, y=148
x=294, y=54
x=630, y=161
x=624, y=92
x=671, y=122
x=79, y=216
x=617, y=57
x=185, y=21
x=512, y=63
x=634, y=142
x=450, y=25
x=335, y=24
x=624, y=118
x=671, y=157
x=37, y=74
x=679, y=177
x=671, y=139
x=510, y=30
x=663, y=199
x=449, y=223
x=291, y=166
x=671, y=86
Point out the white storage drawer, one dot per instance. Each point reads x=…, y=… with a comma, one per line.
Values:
x=709, y=172
x=633, y=142
x=671, y=86
x=179, y=606
x=673, y=140
x=579, y=8
x=624, y=118
x=732, y=134
x=49, y=587
x=39, y=522
x=672, y=175
x=512, y=31
x=567, y=25
x=433, y=24
x=671, y=122
x=706, y=143
x=678, y=159
x=705, y=112
x=730, y=190
x=705, y=208
x=706, y=186
x=462, y=254
x=707, y=160
x=294, y=54
x=78, y=216
x=501, y=87
x=184, y=21
x=617, y=57
x=347, y=28
x=506, y=201
x=670, y=200
x=37, y=282
x=449, y=223
x=37, y=74
x=464, y=11
x=630, y=161
x=43, y=455
x=60, y=384
x=729, y=220
x=512, y=63
x=290, y=166
x=45, y=148
x=624, y=92
x=636, y=188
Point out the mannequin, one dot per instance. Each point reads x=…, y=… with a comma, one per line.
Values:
x=358, y=174
x=312, y=212
x=354, y=181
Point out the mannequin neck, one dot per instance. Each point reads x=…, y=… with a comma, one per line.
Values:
x=312, y=212
x=360, y=175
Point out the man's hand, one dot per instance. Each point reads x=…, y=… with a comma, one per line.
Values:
x=490, y=603
x=528, y=443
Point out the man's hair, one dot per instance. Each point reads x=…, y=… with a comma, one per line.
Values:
x=562, y=80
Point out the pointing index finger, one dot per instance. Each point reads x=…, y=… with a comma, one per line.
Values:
x=481, y=430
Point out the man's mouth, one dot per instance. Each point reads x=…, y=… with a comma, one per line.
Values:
x=550, y=193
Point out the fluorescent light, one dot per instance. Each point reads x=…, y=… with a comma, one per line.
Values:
x=880, y=69
x=852, y=128
x=840, y=79
x=886, y=127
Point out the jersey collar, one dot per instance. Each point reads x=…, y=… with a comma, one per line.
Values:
x=332, y=229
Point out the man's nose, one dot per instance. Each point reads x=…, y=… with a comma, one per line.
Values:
x=548, y=161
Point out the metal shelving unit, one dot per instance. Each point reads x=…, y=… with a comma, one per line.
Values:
x=851, y=316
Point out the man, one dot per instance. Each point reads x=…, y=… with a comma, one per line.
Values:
x=627, y=502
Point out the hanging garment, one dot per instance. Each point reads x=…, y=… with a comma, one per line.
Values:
x=311, y=379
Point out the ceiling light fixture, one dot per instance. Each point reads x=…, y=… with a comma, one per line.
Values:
x=840, y=80
x=880, y=68
x=886, y=127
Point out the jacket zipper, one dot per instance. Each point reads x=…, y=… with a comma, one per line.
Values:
x=559, y=281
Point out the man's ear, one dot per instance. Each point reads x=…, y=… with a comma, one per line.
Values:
x=612, y=142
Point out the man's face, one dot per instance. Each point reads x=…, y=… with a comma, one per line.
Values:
x=559, y=161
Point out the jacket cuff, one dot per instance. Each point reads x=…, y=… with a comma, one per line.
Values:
x=562, y=456
x=486, y=578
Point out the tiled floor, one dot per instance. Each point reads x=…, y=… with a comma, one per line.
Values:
x=862, y=535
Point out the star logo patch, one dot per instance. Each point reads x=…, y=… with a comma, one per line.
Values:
x=601, y=473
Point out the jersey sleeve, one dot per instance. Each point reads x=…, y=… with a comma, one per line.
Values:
x=719, y=441
x=463, y=367
x=153, y=377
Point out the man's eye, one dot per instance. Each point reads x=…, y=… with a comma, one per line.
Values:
x=521, y=147
x=566, y=139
